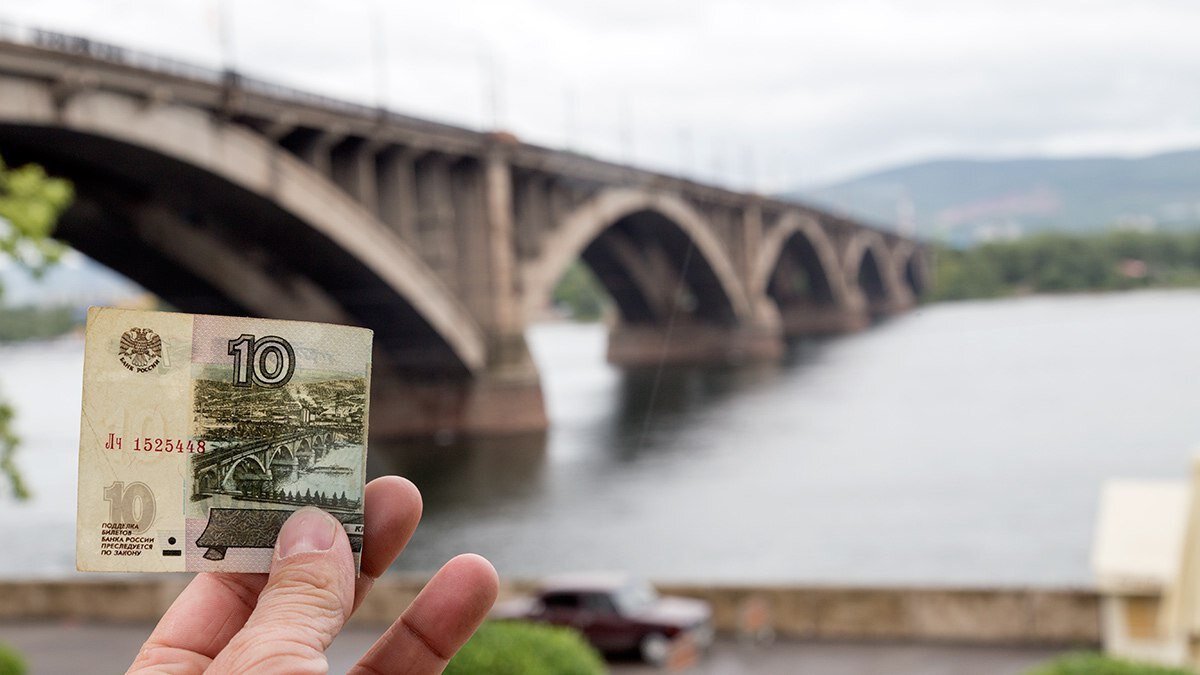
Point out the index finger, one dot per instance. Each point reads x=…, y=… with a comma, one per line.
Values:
x=201, y=621
x=215, y=606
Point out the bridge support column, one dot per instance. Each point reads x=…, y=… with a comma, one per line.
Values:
x=812, y=320
x=397, y=176
x=902, y=299
x=637, y=345
x=316, y=151
x=506, y=397
x=505, y=319
x=752, y=234
x=497, y=403
x=352, y=165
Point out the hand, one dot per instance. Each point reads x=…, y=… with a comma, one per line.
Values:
x=284, y=622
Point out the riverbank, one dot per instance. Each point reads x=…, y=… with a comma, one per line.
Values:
x=1057, y=262
x=73, y=647
x=1065, y=617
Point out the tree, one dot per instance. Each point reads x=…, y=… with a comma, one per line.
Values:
x=580, y=293
x=30, y=205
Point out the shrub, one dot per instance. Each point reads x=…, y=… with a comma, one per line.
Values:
x=11, y=661
x=518, y=648
x=1095, y=664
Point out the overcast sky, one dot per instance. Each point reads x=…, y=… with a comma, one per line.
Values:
x=772, y=93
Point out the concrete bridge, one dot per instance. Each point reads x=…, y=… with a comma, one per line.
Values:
x=229, y=195
x=257, y=467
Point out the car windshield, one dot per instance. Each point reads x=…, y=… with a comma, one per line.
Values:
x=635, y=597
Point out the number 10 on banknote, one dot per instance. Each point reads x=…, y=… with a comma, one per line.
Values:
x=200, y=435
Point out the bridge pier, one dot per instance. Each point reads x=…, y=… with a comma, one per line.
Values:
x=692, y=343
x=456, y=408
x=812, y=320
x=223, y=195
x=504, y=400
x=902, y=300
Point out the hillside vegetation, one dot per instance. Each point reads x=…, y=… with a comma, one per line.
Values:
x=1056, y=262
x=966, y=201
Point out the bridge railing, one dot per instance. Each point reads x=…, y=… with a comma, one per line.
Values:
x=106, y=51
x=203, y=462
x=274, y=90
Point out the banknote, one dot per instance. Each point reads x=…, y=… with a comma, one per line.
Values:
x=200, y=435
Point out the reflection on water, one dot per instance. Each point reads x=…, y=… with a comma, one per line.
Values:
x=625, y=419
x=964, y=444
x=468, y=474
x=563, y=500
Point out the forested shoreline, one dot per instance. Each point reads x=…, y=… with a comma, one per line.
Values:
x=31, y=322
x=1060, y=263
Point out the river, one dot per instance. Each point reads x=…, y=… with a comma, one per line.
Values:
x=962, y=443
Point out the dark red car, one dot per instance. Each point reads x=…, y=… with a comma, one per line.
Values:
x=617, y=614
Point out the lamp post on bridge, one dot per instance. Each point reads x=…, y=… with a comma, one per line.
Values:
x=377, y=16
x=225, y=35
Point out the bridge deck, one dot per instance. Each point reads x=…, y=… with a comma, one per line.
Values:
x=25, y=51
x=233, y=453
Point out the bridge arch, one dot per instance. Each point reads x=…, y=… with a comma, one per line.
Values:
x=280, y=451
x=243, y=470
x=603, y=231
x=305, y=454
x=911, y=267
x=800, y=238
x=209, y=481
x=282, y=459
x=128, y=158
x=867, y=266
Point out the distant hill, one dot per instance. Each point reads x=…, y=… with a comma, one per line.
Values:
x=965, y=201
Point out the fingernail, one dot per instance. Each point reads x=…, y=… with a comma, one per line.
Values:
x=308, y=530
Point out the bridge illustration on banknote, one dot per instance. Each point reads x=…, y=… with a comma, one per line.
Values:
x=262, y=471
x=259, y=470
x=265, y=471
x=270, y=451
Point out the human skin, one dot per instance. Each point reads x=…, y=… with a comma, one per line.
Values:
x=283, y=622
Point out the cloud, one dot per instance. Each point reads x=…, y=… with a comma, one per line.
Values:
x=769, y=91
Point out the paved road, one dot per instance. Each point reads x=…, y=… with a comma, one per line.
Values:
x=826, y=658
x=57, y=647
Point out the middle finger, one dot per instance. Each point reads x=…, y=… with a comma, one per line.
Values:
x=393, y=508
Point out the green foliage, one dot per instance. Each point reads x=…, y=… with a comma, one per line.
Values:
x=519, y=648
x=1056, y=263
x=8, y=448
x=30, y=204
x=35, y=323
x=11, y=661
x=1085, y=663
x=581, y=293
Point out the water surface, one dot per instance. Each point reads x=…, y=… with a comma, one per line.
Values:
x=963, y=443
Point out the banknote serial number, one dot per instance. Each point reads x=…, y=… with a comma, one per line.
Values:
x=154, y=444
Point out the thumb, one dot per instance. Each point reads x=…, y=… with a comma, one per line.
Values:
x=307, y=599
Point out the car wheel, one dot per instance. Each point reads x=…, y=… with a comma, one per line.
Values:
x=655, y=648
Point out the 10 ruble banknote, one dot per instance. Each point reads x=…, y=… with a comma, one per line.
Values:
x=201, y=434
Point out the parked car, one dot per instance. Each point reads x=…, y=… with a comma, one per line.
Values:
x=617, y=614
